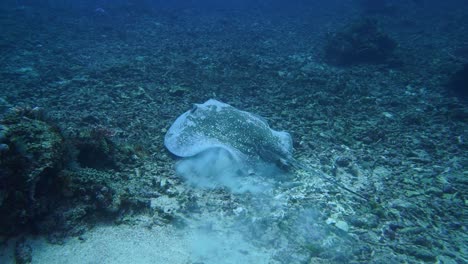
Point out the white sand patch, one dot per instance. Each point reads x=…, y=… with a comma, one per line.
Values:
x=136, y=244
x=115, y=244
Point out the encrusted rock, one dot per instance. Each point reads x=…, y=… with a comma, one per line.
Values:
x=29, y=165
x=23, y=252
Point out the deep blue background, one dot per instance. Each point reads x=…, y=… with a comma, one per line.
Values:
x=151, y=5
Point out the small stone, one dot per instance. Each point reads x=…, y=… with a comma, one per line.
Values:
x=2, y=134
x=422, y=241
x=163, y=184
x=330, y=221
x=4, y=148
x=343, y=161
x=387, y=115
x=238, y=211
x=412, y=230
x=153, y=203
x=420, y=253
x=434, y=191
x=448, y=188
x=177, y=90
x=342, y=225
x=365, y=221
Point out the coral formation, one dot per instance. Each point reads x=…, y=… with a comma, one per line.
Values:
x=42, y=173
x=360, y=42
x=28, y=170
x=458, y=83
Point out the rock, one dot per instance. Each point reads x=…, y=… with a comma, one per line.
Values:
x=23, y=252
x=3, y=131
x=4, y=106
x=420, y=253
x=34, y=155
x=448, y=188
x=4, y=148
x=343, y=161
x=177, y=90
x=342, y=225
x=422, y=241
x=360, y=42
x=366, y=221
x=458, y=82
